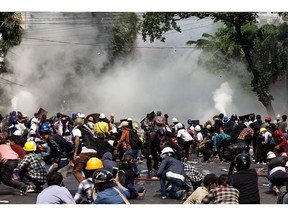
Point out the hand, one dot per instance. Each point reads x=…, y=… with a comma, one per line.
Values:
x=55, y=165
x=150, y=156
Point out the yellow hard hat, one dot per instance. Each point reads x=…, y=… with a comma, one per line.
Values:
x=142, y=139
x=262, y=130
x=94, y=163
x=29, y=146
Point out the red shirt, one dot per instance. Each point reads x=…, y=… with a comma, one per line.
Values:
x=19, y=150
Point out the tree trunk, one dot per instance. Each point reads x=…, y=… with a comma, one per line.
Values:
x=263, y=96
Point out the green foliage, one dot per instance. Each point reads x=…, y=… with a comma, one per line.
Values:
x=262, y=49
x=11, y=32
x=124, y=35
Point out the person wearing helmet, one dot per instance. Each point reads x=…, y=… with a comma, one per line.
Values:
x=109, y=189
x=263, y=145
x=173, y=126
x=171, y=170
x=277, y=174
x=198, y=139
x=84, y=147
x=126, y=166
x=91, y=122
x=30, y=169
x=184, y=139
x=61, y=151
x=101, y=126
x=84, y=193
x=151, y=149
x=245, y=180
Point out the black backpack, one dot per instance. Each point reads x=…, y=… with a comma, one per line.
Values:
x=135, y=141
x=87, y=139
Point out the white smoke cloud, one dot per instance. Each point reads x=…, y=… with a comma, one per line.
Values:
x=160, y=76
x=223, y=98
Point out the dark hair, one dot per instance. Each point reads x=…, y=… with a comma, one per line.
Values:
x=284, y=117
x=224, y=179
x=210, y=179
x=54, y=178
x=258, y=117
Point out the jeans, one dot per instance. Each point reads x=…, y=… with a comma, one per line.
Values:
x=176, y=190
x=63, y=162
x=134, y=152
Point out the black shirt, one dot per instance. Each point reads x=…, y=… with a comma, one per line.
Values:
x=246, y=181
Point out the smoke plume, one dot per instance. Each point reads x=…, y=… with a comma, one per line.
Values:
x=160, y=77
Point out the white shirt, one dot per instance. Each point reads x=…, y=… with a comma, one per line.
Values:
x=182, y=133
x=77, y=132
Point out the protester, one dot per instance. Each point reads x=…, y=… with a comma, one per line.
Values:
x=224, y=193
x=210, y=182
x=56, y=192
x=30, y=168
x=86, y=192
x=107, y=192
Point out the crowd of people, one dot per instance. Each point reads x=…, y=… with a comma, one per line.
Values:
x=104, y=157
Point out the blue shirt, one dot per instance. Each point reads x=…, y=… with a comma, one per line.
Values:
x=111, y=196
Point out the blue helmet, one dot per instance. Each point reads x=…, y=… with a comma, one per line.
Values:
x=189, y=121
x=225, y=118
x=44, y=128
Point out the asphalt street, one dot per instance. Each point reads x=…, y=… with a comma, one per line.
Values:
x=10, y=195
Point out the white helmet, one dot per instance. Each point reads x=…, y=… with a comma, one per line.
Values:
x=174, y=120
x=197, y=128
x=270, y=155
x=179, y=125
x=167, y=150
x=102, y=116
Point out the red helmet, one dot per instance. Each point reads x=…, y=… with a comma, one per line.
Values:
x=268, y=118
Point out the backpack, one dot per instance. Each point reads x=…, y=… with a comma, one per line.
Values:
x=135, y=141
x=87, y=139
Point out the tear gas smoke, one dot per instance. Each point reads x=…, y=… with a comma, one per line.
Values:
x=160, y=76
x=223, y=98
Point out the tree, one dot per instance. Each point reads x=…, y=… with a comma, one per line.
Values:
x=241, y=38
x=11, y=32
